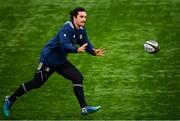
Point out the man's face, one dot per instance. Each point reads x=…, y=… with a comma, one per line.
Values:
x=80, y=19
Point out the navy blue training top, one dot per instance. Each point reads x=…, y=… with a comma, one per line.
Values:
x=55, y=51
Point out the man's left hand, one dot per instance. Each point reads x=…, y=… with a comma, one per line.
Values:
x=99, y=52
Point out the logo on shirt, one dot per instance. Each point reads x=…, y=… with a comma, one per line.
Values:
x=80, y=36
x=64, y=35
x=74, y=36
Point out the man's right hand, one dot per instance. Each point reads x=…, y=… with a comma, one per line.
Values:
x=82, y=48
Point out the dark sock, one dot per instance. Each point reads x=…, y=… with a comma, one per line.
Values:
x=78, y=91
x=19, y=92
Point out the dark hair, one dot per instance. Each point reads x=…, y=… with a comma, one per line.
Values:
x=75, y=11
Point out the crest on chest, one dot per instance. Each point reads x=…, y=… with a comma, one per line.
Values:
x=80, y=36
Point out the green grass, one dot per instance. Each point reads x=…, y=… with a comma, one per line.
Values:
x=127, y=82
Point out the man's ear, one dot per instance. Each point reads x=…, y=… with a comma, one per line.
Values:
x=74, y=17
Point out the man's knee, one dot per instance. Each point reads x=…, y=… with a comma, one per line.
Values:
x=37, y=83
x=32, y=84
x=78, y=80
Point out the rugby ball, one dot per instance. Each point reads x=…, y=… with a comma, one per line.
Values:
x=151, y=46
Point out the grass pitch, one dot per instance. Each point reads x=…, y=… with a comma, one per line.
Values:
x=127, y=82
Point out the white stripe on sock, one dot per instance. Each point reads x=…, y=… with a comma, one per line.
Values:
x=77, y=85
x=17, y=97
x=24, y=87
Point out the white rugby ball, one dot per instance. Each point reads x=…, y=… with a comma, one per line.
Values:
x=151, y=46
